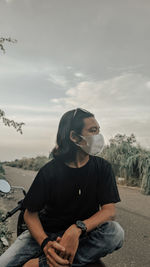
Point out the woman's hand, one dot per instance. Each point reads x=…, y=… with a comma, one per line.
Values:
x=70, y=241
x=53, y=258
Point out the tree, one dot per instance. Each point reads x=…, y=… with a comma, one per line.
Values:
x=129, y=161
x=3, y=40
x=8, y=122
x=123, y=138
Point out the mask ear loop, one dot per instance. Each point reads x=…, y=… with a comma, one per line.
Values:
x=85, y=140
x=78, y=141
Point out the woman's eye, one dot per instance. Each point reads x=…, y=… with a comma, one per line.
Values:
x=94, y=130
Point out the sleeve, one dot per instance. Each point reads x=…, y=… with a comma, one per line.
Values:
x=36, y=196
x=108, y=187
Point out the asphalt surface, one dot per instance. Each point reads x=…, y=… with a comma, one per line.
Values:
x=133, y=213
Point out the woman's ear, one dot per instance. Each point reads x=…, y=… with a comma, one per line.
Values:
x=73, y=137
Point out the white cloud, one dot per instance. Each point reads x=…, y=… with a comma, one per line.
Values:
x=126, y=90
x=148, y=84
x=9, y=1
x=55, y=100
x=69, y=68
x=79, y=74
x=57, y=79
x=120, y=104
x=13, y=67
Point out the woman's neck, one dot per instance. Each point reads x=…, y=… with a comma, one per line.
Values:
x=81, y=159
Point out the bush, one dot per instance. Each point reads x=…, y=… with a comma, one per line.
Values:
x=3, y=233
x=130, y=161
x=2, y=171
x=29, y=163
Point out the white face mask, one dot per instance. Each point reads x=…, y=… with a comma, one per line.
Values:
x=94, y=144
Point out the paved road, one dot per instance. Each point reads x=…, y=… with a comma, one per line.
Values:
x=133, y=213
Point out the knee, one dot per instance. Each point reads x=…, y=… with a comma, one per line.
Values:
x=118, y=234
x=32, y=263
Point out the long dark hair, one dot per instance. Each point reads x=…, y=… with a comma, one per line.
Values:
x=65, y=149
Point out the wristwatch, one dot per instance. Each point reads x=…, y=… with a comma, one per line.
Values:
x=82, y=226
x=45, y=241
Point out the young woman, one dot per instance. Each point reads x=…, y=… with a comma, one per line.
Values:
x=70, y=206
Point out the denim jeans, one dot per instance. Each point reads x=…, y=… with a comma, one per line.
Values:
x=98, y=243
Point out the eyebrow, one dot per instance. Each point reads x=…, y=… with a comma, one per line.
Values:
x=95, y=127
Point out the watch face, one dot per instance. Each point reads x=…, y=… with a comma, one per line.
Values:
x=81, y=225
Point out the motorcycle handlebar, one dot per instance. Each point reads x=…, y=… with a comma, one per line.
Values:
x=13, y=211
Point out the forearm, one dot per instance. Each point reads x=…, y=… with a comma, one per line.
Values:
x=107, y=213
x=70, y=239
x=34, y=225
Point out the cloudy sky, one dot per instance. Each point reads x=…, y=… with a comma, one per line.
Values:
x=92, y=54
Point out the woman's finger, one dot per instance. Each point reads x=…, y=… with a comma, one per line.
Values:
x=71, y=258
x=58, y=239
x=57, y=258
x=61, y=254
x=58, y=246
x=66, y=256
x=51, y=262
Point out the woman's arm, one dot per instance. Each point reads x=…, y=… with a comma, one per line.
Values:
x=70, y=239
x=107, y=213
x=36, y=229
x=34, y=225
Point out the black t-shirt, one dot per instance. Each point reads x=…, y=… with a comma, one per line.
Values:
x=63, y=194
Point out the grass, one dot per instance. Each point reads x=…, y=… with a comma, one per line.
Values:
x=4, y=232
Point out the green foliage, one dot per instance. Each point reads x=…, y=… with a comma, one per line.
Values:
x=129, y=160
x=29, y=163
x=2, y=171
x=2, y=177
x=145, y=169
x=8, y=122
x=3, y=40
x=3, y=233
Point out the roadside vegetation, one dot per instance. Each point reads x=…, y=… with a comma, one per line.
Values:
x=130, y=161
x=2, y=171
x=5, y=235
x=29, y=163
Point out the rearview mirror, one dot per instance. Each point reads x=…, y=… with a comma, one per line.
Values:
x=4, y=186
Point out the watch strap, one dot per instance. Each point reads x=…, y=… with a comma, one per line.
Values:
x=82, y=226
x=45, y=241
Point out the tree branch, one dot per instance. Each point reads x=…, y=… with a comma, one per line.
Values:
x=2, y=40
x=8, y=122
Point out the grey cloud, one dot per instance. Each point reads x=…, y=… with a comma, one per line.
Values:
x=90, y=36
x=126, y=90
x=106, y=41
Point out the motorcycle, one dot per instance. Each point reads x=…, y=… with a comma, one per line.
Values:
x=21, y=226
x=5, y=188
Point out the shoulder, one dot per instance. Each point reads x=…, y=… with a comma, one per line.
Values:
x=52, y=168
x=102, y=163
x=46, y=172
x=49, y=167
x=104, y=167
